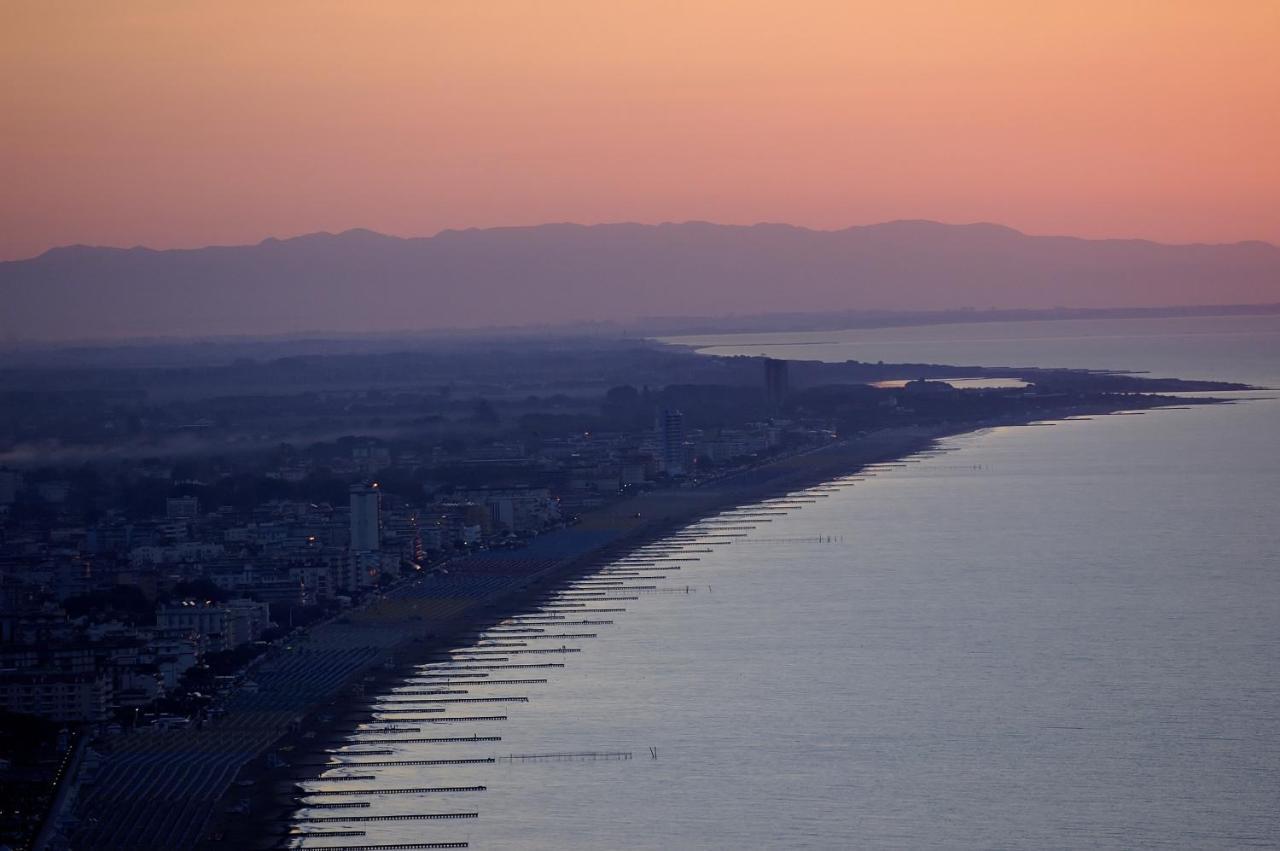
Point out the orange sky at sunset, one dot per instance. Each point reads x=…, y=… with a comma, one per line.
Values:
x=181, y=124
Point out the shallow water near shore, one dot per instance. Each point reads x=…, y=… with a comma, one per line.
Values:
x=1052, y=637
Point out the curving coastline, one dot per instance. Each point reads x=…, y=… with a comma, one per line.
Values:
x=256, y=815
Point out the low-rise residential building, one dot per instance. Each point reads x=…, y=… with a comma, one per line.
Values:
x=58, y=696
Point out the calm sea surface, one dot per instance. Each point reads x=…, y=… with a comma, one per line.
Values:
x=1047, y=637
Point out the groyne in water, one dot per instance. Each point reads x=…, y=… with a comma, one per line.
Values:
x=619, y=531
x=540, y=610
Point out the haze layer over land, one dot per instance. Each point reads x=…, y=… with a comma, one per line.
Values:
x=360, y=281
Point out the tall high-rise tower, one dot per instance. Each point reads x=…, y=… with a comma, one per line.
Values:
x=776, y=383
x=671, y=439
x=366, y=527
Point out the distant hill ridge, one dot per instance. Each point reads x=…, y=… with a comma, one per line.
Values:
x=364, y=281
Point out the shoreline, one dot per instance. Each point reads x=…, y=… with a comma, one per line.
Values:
x=272, y=794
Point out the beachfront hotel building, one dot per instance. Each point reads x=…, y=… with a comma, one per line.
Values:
x=56, y=695
x=364, y=557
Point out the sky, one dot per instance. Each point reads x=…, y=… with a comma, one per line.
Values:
x=184, y=124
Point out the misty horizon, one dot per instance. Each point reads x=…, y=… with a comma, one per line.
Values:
x=357, y=230
x=360, y=281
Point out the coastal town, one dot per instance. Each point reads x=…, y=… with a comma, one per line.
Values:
x=196, y=571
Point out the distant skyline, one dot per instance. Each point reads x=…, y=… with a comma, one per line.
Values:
x=183, y=125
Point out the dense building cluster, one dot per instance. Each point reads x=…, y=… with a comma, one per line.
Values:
x=104, y=615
